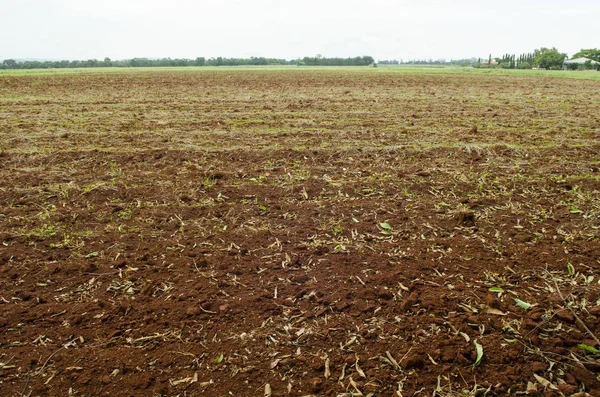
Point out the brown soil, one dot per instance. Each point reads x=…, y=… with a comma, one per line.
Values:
x=297, y=233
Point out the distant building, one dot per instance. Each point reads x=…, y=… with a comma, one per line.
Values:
x=486, y=63
x=580, y=62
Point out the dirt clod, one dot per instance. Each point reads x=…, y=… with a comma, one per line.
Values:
x=565, y=315
x=316, y=384
x=192, y=311
x=538, y=367
x=413, y=362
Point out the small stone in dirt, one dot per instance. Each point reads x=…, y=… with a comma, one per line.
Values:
x=538, y=367
x=192, y=311
x=474, y=129
x=224, y=307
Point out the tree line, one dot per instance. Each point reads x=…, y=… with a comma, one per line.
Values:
x=178, y=62
x=320, y=61
x=542, y=58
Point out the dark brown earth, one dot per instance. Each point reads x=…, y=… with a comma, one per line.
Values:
x=327, y=233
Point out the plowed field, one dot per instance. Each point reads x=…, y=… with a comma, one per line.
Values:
x=298, y=232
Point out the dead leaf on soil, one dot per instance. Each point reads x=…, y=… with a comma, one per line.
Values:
x=206, y=384
x=431, y=359
x=343, y=374
x=358, y=369
x=495, y=312
x=189, y=379
x=392, y=360
x=274, y=363
x=349, y=343
x=531, y=388
x=544, y=382
x=355, y=386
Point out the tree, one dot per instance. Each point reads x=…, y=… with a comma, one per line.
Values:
x=10, y=64
x=524, y=65
x=549, y=58
x=592, y=53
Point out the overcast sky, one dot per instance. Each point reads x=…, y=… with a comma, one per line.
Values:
x=384, y=29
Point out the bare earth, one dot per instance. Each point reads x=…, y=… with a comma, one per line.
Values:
x=293, y=233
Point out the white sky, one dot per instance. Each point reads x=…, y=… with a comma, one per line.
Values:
x=384, y=29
